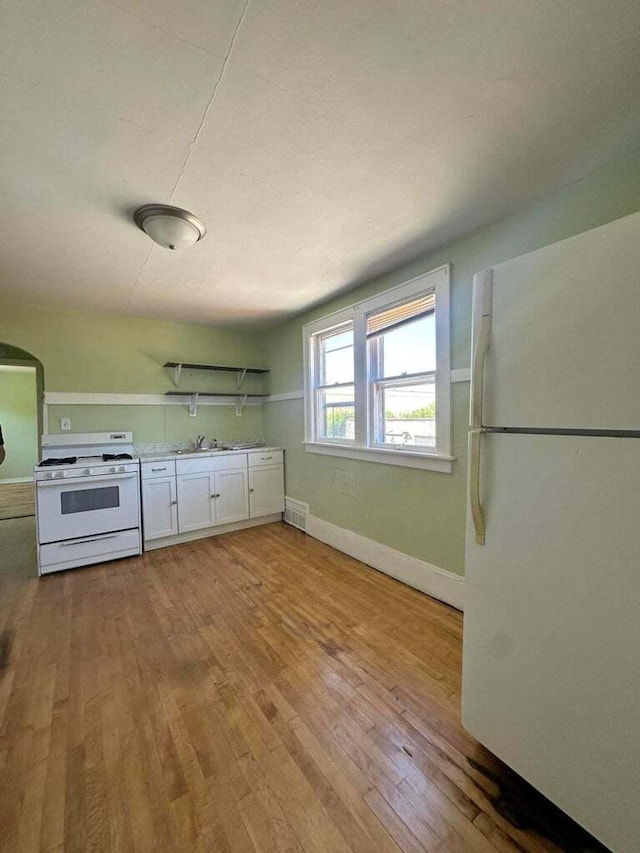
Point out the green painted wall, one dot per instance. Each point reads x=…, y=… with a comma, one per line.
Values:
x=89, y=352
x=160, y=424
x=19, y=422
x=83, y=351
x=422, y=513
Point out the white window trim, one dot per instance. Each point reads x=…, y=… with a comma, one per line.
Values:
x=440, y=460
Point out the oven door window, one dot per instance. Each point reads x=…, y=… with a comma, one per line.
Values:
x=88, y=500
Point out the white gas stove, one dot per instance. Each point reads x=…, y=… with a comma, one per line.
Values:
x=87, y=500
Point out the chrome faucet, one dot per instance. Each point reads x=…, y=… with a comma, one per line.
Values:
x=199, y=442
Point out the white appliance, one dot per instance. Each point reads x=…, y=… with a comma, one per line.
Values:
x=551, y=674
x=87, y=500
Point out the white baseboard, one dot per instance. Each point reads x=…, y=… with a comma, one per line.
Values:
x=12, y=481
x=434, y=581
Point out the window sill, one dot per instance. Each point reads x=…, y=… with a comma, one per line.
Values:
x=405, y=458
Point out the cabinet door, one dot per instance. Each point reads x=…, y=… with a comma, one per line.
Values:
x=232, y=502
x=266, y=490
x=196, y=504
x=159, y=507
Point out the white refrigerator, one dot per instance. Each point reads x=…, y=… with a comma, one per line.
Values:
x=551, y=672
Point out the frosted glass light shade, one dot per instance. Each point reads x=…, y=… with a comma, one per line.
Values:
x=171, y=227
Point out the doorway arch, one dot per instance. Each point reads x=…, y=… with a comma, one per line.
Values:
x=16, y=356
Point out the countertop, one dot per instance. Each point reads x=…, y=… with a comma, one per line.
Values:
x=167, y=456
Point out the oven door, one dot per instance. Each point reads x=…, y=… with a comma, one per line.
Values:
x=85, y=506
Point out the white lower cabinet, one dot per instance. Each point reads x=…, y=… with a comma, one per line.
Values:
x=204, y=492
x=196, y=501
x=232, y=497
x=160, y=509
x=207, y=499
x=266, y=490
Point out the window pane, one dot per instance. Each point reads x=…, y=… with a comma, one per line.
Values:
x=409, y=348
x=406, y=414
x=336, y=358
x=336, y=412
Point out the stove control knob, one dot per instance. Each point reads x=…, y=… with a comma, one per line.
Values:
x=121, y=469
x=60, y=475
x=87, y=471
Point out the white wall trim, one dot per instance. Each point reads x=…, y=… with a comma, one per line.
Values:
x=434, y=581
x=462, y=374
x=288, y=395
x=72, y=398
x=15, y=481
x=403, y=458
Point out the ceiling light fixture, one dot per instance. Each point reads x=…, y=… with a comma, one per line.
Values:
x=168, y=226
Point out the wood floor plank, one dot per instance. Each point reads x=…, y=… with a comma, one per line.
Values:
x=254, y=692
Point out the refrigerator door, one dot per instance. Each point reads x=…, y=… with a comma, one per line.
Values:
x=564, y=347
x=551, y=674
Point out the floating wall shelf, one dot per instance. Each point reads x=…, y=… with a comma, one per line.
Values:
x=241, y=372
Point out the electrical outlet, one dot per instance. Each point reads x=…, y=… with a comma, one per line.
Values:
x=65, y=424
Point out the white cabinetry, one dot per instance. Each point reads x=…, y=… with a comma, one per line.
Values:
x=196, y=501
x=159, y=501
x=232, y=497
x=190, y=497
x=209, y=498
x=266, y=483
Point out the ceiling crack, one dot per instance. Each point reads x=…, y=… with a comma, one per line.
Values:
x=194, y=141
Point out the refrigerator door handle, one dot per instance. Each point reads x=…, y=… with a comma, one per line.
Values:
x=477, y=513
x=482, y=297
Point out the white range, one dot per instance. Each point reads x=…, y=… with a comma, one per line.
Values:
x=87, y=500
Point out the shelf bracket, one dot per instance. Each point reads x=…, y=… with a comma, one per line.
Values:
x=241, y=401
x=240, y=377
x=193, y=405
x=177, y=372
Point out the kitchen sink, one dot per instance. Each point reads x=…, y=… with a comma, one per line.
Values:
x=199, y=450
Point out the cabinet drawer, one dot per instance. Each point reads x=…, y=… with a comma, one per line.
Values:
x=265, y=457
x=90, y=548
x=151, y=470
x=211, y=463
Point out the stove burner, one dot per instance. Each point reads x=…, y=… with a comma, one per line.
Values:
x=64, y=460
x=110, y=457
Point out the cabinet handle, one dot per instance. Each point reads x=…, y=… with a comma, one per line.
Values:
x=158, y=469
x=174, y=503
x=265, y=458
x=250, y=490
x=215, y=496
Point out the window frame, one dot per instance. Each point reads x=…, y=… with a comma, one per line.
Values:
x=364, y=446
x=319, y=387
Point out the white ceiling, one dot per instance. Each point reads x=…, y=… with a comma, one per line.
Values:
x=321, y=141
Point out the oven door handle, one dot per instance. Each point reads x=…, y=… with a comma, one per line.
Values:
x=73, y=481
x=85, y=541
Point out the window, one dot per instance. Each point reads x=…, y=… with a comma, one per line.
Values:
x=335, y=399
x=377, y=378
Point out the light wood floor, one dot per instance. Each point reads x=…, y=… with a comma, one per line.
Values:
x=254, y=692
